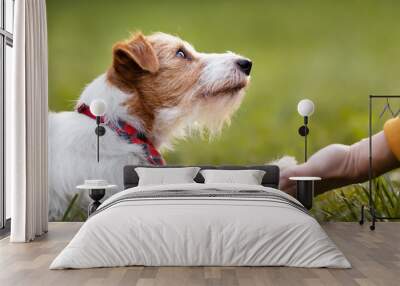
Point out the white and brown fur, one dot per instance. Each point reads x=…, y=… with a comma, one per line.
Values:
x=159, y=84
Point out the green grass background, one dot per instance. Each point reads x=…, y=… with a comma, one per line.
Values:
x=333, y=52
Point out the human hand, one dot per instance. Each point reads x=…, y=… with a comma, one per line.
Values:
x=339, y=165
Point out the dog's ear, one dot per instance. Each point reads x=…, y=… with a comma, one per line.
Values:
x=135, y=55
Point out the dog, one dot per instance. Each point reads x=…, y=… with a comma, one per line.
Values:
x=157, y=89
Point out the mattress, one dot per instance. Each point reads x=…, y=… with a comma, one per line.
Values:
x=201, y=225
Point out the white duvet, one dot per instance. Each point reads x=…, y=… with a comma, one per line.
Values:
x=188, y=231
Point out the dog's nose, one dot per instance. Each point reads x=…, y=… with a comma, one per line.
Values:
x=244, y=65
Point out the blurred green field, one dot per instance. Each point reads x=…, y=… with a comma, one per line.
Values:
x=333, y=52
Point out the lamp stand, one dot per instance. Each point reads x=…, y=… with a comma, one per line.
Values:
x=303, y=131
x=100, y=131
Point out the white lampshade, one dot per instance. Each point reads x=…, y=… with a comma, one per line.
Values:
x=305, y=107
x=98, y=107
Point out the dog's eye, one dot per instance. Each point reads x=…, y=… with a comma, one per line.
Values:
x=180, y=53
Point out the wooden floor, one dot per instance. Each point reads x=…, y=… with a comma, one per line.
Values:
x=375, y=257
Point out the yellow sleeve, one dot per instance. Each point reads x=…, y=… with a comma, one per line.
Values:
x=392, y=134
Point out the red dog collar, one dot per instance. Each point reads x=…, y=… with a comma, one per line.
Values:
x=129, y=134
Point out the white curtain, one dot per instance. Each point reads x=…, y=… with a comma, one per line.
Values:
x=26, y=122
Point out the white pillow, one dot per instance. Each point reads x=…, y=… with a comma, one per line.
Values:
x=165, y=176
x=248, y=177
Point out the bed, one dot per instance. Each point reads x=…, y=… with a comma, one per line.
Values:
x=201, y=224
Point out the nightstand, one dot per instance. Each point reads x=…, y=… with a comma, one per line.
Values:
x=305, y=190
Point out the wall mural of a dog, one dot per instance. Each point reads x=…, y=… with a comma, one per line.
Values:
x=160, y=87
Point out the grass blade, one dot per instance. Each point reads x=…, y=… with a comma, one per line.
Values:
x=69, y=208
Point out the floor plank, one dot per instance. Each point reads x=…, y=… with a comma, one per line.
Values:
x=375, y=257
